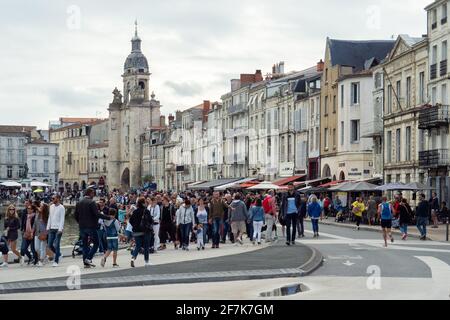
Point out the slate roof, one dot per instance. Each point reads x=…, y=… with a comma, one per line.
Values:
x=358, y=54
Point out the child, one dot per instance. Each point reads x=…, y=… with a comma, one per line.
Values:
x=4, y=250
x=200, y=243
x=122, y=213
x=112, y=237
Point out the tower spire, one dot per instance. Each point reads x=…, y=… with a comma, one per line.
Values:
x=135, y=28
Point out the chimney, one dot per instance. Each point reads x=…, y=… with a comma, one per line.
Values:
x=320, y=66
x=171, y=118
x=206, y=108
x=258, y=76
x=162, y=121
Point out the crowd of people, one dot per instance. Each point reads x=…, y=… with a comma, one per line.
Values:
x=147, y=222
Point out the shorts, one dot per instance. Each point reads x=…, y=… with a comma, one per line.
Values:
x=113, y=244
x=386, y=224
x=238, y=226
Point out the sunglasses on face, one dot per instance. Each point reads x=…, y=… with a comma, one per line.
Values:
x=12, y=209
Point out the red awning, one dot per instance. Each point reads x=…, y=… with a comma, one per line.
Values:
x=249, y=184
x=332, y=183
x=285, y=181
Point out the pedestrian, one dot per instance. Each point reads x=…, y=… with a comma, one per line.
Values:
x=155, y=212
x=434, y=206
x=326, y=206
x=256, y=217
x=405, y=217
x=41, y=233
x=112, y=229
x=314, y=211
x=201, y=217
x=290, y=206
x=87, y=215
x=4, y=250
x=385, y=214
x=422, y=216
x=217, y=208
x=301, y=217
x=238, y=218
x=102, y=208
x=28, y=236
x=444, y=211
x=357, y=210
x=269, y=206
x=185, y=221
x=371, y=210
x=226, y=220
x=11, y=227
x=167, y=229
x=200, y=233
x=142, y=223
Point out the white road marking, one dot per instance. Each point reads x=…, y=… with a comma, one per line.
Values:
x=348, y=263
x=371, y=241
x=344, y=258
x=329, y=235
x=440, y=273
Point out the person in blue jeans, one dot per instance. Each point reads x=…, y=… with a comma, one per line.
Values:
x=55, y=227
x=112, y=229
x=422, y=216
x=142, y=222
x=185, y=221
x=290, y=205
x=315, y=213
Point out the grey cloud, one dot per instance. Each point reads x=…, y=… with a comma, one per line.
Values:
x=185, y=89
x=78, y=99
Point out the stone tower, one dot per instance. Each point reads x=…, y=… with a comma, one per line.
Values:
x=130, y=116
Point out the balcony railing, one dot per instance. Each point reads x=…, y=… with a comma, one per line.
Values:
x=434, y=158
x=443, y=68
x=434, y=116
x=433, y=71
x=237, y=108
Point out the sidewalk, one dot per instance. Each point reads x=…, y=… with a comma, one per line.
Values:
x=438, y=234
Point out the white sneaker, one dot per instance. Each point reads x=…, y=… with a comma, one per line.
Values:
x=4, y=265
x=55, y=264
x=22, y=261
x=40, y=264
x=146, y=264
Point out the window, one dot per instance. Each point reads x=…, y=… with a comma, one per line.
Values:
x=342, y=96
x=334, y=104
x=444, y=51
x=433, y=95
x=422, y=87
x=311, y=140
x=21, y=143
x=45, y=151
x=408, y=144
x=326, y=106
x=408, y=92
x=408, y=178
x=399, y=92
x=276, y=119
x=10, y=156
x=434, y=55
x=21, y=172
x=389, y=100
x=290, y=153
x=378, y=80
x=9, y=172
x=34, y=165
x=10, y=143
x=334, y=138
x=34, y=151
x=388, y=178
x=46, y=166
x=355, y=93
x=398, y=142
x=444, y=95
x=398, y=178
x=389, y=146
x=433, y=19
x=325, y=135
x=283, y=149
x=21, y=156
x=354, y=133
x=342, y=133
x=326, y=75
x=444, y=14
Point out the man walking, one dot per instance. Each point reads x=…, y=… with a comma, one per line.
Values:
x=87, y=215
x=238, y=218
x=217, y=209
x=290, y=205
x=55, y=227
x=270, y=207
x=422, y=217
x=434, y=206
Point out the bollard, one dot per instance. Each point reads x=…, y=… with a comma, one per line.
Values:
x=448, y=218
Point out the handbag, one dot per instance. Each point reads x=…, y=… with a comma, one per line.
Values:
x=28, y=235
x=43, y=236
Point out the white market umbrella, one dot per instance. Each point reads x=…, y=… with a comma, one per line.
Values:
x=39, y=184
x=11, y=184
x=265, y=185
x=417, y=186
x=393, y=186
x=354, y=187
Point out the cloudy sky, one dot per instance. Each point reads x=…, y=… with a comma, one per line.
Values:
x=64, y=58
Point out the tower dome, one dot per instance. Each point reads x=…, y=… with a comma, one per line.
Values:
x=136, y=61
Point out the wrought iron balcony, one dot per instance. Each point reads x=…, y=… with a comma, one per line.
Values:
x=434, y=158
x=433, y=71
x=443, y=67
x=434, y=116
x=237, y=108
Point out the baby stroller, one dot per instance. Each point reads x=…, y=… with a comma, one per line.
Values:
x=78, y=247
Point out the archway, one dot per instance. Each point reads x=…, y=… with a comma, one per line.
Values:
x=326, y=171
x=334, y=177
x=125, y=179
x=342, y=176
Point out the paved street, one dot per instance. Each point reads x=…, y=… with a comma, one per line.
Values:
x=408, y=270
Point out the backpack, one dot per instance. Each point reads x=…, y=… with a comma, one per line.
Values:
x=146, y=224
x=111, y=230
x=267, y=206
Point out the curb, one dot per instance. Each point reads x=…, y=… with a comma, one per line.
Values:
x=314, y=262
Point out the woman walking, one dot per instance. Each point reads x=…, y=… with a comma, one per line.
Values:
x=185, y=221
x=167, y=230
x=315, y=212
x=12, y=226
x=385, y=214
x=142, y=224
x=41, y=234
x=405, y=217
x=358, y=209
x=28, y=236
x=257, y=219
x=202, y=218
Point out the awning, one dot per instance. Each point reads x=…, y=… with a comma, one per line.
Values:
x=285, y=181
x=249, y=184
x=195, y=183
x=354, y=187
x=39, y=184
x=234, y=185
x=313, y=183
x=266, y=185
x=212, y=184
x=332, y=183
x=11, y=184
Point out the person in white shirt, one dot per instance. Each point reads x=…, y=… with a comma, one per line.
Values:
x=55, y=227
x=155, y=212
